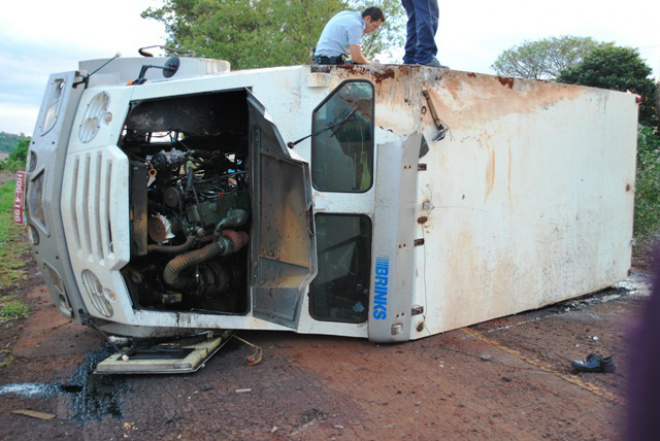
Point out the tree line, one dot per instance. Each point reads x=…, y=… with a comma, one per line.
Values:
x=265, y=33
x=17, y=159
x=584, y=61
x=9, y=141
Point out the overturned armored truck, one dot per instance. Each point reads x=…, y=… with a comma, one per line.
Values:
x=167, y=197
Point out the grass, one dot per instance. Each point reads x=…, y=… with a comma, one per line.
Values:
x=14, y=249
x=11, y=309
x=5, y=358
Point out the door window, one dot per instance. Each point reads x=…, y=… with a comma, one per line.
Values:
x=340, y=291
x=343, y=144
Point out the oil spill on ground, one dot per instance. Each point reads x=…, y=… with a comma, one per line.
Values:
x=95, y=396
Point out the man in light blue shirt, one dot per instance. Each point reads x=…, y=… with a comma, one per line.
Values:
x=342, y=36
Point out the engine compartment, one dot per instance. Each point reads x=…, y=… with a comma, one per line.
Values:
x=190, y=202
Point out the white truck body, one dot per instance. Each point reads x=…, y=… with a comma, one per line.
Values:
x=367, y=228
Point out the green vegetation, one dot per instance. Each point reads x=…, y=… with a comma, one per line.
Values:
x=647, y=188
x=617, y=68
x=265, y=33
x=13, y=243
x=9, y=141
x=544, y=59
x=17, y=158
x=12, y=309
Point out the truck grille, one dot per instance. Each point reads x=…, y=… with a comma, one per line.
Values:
x=90, y=205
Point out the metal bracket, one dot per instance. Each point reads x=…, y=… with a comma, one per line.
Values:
x=442, y=128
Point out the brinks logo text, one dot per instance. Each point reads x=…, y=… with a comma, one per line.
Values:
x=380, y=288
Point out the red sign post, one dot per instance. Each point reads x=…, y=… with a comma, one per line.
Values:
x=18, y=197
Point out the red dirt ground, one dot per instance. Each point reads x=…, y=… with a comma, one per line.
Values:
x=507, y=379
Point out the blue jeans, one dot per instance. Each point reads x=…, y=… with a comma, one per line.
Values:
x=422, y=25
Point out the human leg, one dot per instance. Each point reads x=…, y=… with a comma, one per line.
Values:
x=426, y=21
x=411, y=32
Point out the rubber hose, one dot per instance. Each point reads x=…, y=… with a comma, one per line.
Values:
x=179, y=263
x=172, y=249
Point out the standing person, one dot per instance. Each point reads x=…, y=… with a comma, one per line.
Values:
x=422, y=25
x=342, y=36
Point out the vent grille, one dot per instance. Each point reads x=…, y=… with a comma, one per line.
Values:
x=91, y=123
x=94, y=291
x=90, y=206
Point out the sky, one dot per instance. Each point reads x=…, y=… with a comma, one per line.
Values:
x=39, y=37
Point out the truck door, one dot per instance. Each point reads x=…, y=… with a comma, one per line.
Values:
x=283, y=247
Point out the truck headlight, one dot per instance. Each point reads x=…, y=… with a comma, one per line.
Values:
x=53, y=105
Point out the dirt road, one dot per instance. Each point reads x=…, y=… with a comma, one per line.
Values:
x=508, y=379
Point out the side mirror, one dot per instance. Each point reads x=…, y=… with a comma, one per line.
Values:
x=171, y=67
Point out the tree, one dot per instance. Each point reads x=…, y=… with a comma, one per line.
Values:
x=544, y=59
x=657, y=99
x=647, y=186
x=392, y=34
x=617, y=68
x=9, y=141
x=18, y=157
x=261, y=33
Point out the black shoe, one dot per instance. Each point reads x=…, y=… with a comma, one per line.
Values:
x=595, y=363
x=435, y=63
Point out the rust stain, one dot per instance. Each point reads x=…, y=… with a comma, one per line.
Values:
x=490, y=171
x=506, y=81
x=509, y=178
x=485, y=142
x=462, y=98
x=422, y=219
x=628, y=187
x=383, y=75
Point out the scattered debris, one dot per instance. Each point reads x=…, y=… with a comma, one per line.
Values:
x=486, y=357
x=255, y=358
x=637, y=284
x=164, y=356
x=595, y=363
x=243, y=391
x=34, y=414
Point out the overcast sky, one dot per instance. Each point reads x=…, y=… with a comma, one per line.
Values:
x=39, y=37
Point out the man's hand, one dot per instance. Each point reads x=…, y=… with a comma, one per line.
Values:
x=356, y=55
